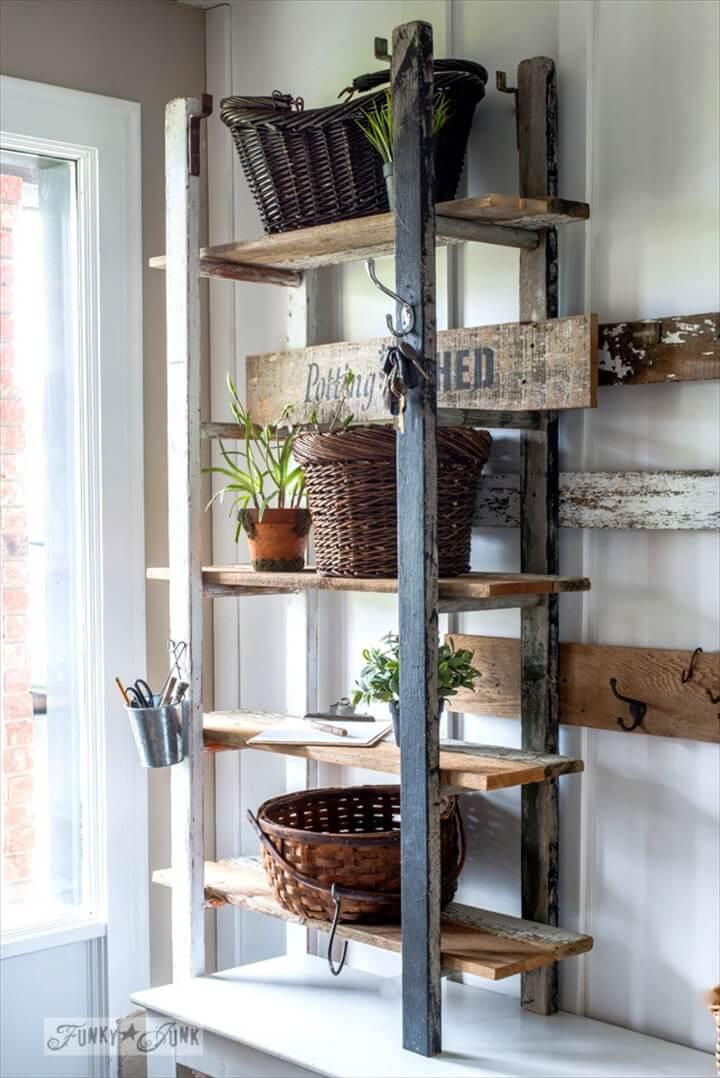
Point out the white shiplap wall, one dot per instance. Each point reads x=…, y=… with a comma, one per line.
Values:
x=638, y=105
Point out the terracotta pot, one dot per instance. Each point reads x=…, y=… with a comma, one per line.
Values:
x=277, y=542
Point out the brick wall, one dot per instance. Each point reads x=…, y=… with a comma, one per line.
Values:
x=17, y=721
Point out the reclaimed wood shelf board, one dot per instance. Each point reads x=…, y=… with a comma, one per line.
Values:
x=654, y=676
x=490, y=945
x=499, y=219
x=462, y=766
x=243, y=580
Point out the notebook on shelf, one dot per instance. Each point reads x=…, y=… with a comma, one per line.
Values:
x=296, y=731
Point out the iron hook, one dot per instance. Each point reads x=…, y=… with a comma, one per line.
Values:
x=637, y=709
x=407, y=312
x=687, y=675
x=335, y=970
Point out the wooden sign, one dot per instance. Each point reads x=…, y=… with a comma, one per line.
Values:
x=680, y=348
x=534, y=366
x=652, y=676
x=672, y=501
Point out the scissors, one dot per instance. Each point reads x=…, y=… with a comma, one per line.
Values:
x=140, y=693
x=177, y=649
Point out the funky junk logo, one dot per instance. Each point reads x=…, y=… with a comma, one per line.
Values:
x=464, y=369
x=97, y=1036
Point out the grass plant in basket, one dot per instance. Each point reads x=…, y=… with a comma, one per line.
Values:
x=380, y=677
x=378, y=130
x=266, y=490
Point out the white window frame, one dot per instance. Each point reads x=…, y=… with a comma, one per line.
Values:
x=102, y=136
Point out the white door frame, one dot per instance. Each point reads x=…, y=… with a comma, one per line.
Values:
x=102, y=135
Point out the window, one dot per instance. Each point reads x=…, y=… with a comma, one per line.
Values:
x=50, y=832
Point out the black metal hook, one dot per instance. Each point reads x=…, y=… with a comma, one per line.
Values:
x=687, y=675
x=206, y=107
x=407, y=311
x=335, y=970
x=503, y=88
x=637, y=709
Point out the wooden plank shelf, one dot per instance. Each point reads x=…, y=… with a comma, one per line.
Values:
x=489, y=945
x=497, y=219
x=240, y=580
x=462, y=766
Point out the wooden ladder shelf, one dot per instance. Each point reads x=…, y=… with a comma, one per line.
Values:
x=476, y=941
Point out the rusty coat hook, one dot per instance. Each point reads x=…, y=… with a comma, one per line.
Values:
x=687, y=675
x=637, y=709
x=503, y=88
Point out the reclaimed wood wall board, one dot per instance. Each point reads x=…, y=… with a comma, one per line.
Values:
x=679, y=348
x=670, y=501
x=650, y=675
x=540, y=365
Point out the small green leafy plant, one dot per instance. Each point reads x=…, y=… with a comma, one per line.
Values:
x=262, y=473
x=379, y=122
x=380, y=677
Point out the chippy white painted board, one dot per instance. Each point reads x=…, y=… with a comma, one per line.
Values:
x=672, y=501
x=295, y=1011
x=679, y=348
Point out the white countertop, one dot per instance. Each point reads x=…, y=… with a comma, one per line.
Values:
x=349, y=1026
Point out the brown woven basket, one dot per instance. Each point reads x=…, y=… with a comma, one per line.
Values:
x=316, y=166
x=352, y=487
x=344, y=844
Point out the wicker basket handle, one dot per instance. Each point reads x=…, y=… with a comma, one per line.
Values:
x=308, y=881
x=347, y=892
x=378, y=78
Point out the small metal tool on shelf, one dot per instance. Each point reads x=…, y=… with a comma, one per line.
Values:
x=341, y=709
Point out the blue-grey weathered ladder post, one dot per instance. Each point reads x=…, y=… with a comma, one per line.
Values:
x=412, y=95
x=537, y=143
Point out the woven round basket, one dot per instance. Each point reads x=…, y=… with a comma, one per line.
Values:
x=331, y=848
x=352, y=486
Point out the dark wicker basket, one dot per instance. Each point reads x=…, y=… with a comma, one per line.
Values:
x=352, y=486
x=313, y=167
x=346, y=841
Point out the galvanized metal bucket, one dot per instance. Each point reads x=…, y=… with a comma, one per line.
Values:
x=159, y=733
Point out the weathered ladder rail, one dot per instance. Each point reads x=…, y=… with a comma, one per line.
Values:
x=412, y=95
x=536, y=102
x=185, y=510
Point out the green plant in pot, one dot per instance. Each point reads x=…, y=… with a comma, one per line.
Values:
x=380, y=677
x=378, y=130
x=266, y=489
